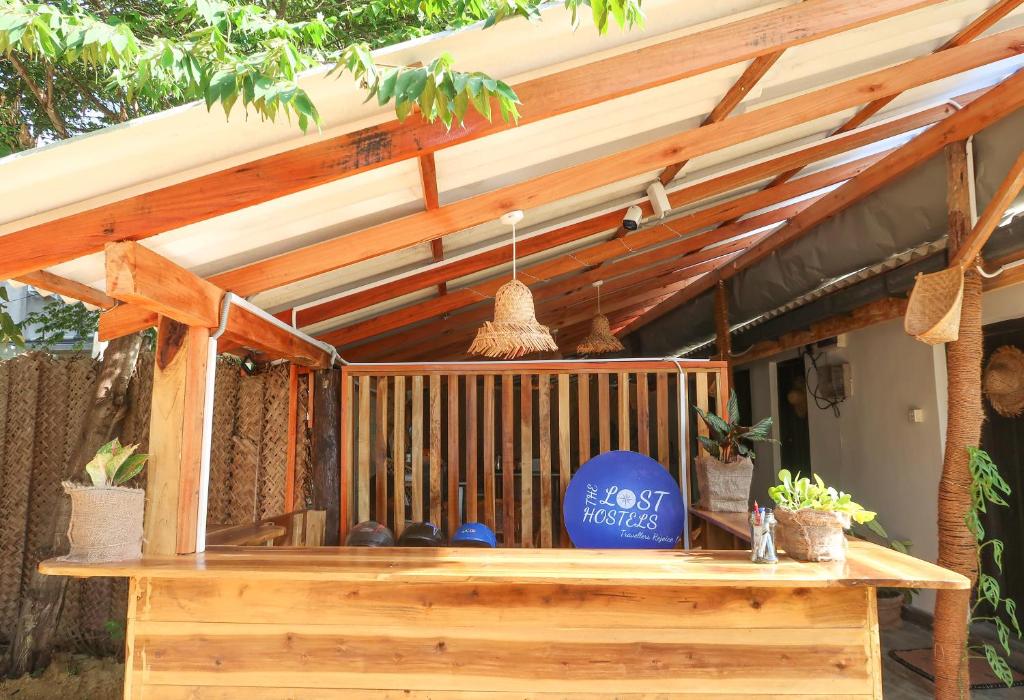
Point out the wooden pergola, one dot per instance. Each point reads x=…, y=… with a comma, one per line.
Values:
x=753, y=171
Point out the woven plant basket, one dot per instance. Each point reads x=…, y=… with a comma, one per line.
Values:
x=812, y=535
x=933, y=312
x=890, y=611
x=724, y=487
x=514, y=332
x=600, y=339
x=106, y=522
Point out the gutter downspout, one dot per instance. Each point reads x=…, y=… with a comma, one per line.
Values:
x=208, y=396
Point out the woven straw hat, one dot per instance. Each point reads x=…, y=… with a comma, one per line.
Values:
x=514, y=332
x=933, y=313
x=1003, y=381
x=600, y=339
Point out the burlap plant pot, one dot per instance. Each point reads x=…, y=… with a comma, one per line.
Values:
x=106, y=522
x=724, y=487
x=812, y=535
x=890, y=610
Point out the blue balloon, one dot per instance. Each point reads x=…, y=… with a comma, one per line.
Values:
x=623, y=500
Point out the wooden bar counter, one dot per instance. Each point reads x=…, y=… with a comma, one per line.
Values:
x=259, y=623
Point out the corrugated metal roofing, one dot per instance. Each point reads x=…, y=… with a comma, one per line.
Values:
x=177, y=145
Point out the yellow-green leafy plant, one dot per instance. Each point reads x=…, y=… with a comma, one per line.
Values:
x=115, y=464
x=796, y=493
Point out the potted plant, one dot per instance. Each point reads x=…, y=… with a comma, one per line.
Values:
x=812, y=517
x=725, y=472
x=106, y=516
x=889, y=601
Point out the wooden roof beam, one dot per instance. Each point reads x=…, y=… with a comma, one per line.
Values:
x=996, y=103
x=431, y=201
x=138, y=276
x=970, y=248
x=419, y=228
x=261, y=180
x=529, y=244
x=546, y=271
x=41, y=279
x=969, y=33
x=553, y=301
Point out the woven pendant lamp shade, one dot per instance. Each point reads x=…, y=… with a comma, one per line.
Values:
x=514, y=332
x=600, y=340
x=1003, y=381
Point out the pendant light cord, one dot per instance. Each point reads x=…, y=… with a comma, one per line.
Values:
x=598, y=299
x=513, y=250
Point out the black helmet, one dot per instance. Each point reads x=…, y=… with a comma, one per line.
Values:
x=370, y=534
x=421, y=535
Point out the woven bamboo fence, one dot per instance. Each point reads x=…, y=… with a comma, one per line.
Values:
x=43, y=401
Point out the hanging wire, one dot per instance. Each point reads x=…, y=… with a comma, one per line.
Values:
x=513, y=250
x=598, y=299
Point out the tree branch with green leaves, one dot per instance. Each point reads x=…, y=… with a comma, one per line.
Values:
x=148, y=55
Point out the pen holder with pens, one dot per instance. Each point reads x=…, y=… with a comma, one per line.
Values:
x=762, y=536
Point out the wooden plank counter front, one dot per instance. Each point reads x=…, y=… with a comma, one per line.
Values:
x=463, y=623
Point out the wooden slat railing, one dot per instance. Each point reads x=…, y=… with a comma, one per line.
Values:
x=499, y=442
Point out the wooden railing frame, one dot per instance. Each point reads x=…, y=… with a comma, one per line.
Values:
x=426, y=457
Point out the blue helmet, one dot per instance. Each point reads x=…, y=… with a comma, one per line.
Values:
x=474, y=535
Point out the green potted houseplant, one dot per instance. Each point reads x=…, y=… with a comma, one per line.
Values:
x=725, y=471
x=812, y=517
x=889, y=601
x=106, y=516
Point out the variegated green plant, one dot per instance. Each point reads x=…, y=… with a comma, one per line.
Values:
x=799, y=492
x=115, y=464
x=727, y=439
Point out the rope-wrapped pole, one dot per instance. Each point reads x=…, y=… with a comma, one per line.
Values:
x=957, y=548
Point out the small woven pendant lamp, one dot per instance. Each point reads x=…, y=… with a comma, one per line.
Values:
x=514, y=332
x=600, y=339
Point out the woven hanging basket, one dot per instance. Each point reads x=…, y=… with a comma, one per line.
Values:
x=933, y=313
x=600, y=339
x=514, y=332
x=1003, y=381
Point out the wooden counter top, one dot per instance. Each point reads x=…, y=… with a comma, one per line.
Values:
x=866, y=565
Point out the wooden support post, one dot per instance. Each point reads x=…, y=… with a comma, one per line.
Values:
x=326, y=462
x=175, y=438
x=723, y=339
x=293, y=429
x=957, y=548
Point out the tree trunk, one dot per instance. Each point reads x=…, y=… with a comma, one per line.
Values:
x=32, y=641
x=957, y=548
x=326, y=450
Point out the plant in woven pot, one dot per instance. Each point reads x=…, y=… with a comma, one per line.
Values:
x=725, y=471
x=812, y=517
x=890, y=601
x=106, y=516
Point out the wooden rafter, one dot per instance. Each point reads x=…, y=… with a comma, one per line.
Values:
x=138, y=276
x=999, y=101
x=419, y=228
x=572, y=295
x=42, y=279
x=970, y=247
x=567, y=263
x=969, y=33
x=869, y=314
x=334, y=158
x=730, y=101
x=431, y=201
x=529, y=244
x=732, y=98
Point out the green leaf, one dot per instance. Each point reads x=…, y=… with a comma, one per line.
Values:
x=130, y=469
x=998, y=665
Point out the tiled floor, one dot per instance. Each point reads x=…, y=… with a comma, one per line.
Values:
x=903, y=684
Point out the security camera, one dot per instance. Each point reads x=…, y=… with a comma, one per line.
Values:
x=631, y=221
